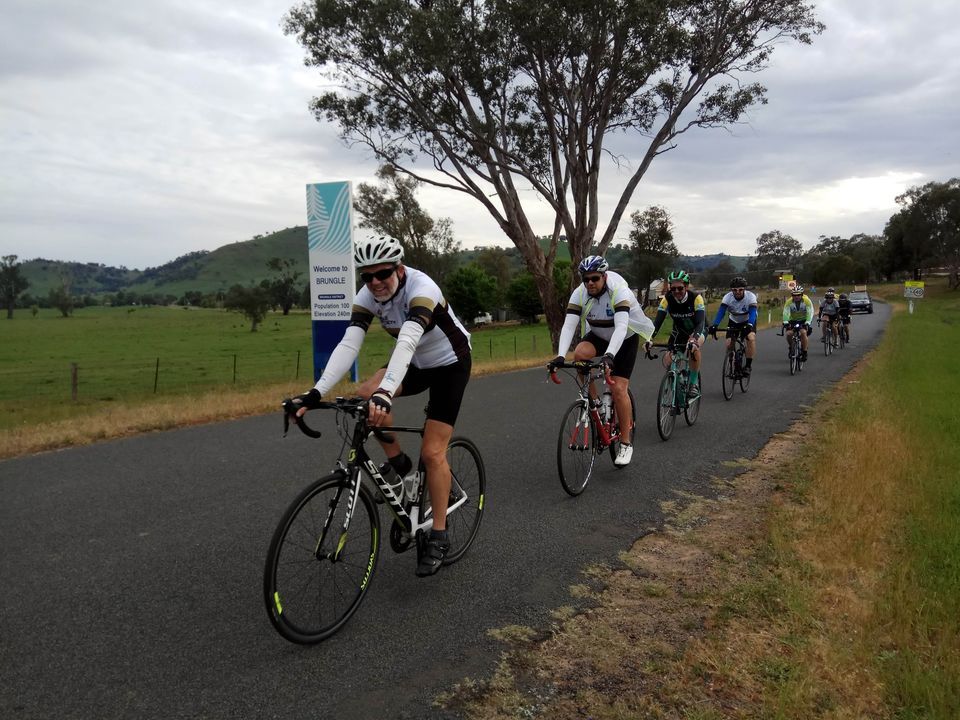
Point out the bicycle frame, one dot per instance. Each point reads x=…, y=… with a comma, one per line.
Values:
x=603, y=426
x=358, y=460
x=679, y=361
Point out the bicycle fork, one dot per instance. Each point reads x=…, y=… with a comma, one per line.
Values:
x=353, y=492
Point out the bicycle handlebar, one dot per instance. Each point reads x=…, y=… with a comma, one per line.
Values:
x=355, y=406
x=578, y=365
x=666, y=346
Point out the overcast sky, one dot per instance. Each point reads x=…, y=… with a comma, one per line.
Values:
x=134, y=132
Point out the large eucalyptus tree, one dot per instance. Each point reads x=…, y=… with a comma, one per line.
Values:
x=513, y=101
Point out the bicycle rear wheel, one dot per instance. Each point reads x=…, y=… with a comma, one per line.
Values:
x=692, y=410
x=467, y=477
x=576, y=448
x=666, y=410
x=311, y=588
x=841, y=341
x=615, y=428
x=729, y=375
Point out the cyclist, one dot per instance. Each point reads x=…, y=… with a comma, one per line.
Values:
x=830, y=308
x=799, y=309
x=432, y=353
x=606, y=306
x=689, y=314
x=845, y=313
x=742, y=306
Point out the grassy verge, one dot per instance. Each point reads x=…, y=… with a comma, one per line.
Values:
x=822, y=582
x=153, y=368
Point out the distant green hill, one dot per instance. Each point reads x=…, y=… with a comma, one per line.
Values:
x=203, y=271
x=245, y=262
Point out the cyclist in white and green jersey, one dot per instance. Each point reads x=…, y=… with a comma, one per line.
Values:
x=799, y=309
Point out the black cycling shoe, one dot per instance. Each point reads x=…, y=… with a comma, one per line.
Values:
x=746, y=371
x=431, y=560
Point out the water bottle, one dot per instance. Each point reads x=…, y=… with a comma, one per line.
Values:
x=606, y=403
x=391, y=478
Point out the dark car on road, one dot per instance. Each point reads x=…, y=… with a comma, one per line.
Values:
x=860, y=301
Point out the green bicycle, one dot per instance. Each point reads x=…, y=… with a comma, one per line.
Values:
x=674, y=397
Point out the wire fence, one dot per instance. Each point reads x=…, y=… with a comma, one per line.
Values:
x=115, y=379
x=157, y=375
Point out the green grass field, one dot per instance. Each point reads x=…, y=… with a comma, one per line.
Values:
x=128, y=356
x=922, y=604
x=131, y=356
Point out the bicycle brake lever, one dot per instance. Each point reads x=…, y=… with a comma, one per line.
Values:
x=286, y=423
x=553, y=376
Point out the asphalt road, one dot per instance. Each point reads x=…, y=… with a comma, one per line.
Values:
x=132, y=569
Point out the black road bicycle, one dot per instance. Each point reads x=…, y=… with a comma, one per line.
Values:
x=673, y=397
x=587, y=428
x=324, y=551
x=733, y=362
x=828, y=337
x=795, y=350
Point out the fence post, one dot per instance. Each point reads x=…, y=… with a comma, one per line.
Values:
x=491, y=348
x=534, y=345
x=297, y=374
x=156, y=377
x=514, y=346
x=74, y=381
x=234, y=369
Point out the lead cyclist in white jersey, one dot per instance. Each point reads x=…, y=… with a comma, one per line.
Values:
x=432, y=353
x=612, y=323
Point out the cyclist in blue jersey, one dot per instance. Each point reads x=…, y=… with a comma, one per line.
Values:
x=432, y=353
x=741, y=304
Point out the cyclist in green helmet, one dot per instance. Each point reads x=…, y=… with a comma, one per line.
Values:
x=689, y=313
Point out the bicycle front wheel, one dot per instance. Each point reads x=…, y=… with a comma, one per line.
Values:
x=729, y=376
x=666, y=410
x=576, y=448
x=314, y=582
x=616, y=430
x=468, y=479
x=744, y=379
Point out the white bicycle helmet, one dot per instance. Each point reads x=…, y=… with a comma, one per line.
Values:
x=376, y=250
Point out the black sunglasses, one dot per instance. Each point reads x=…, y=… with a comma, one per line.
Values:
x=378, y=275
x=678, y=288
x=592, y=278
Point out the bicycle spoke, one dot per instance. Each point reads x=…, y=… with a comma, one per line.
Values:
x=574, y=460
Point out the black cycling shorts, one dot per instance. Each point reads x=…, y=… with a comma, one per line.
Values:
x=446, y=385
x=736, y=329
x=626, y=356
